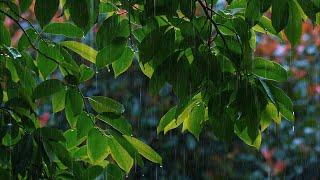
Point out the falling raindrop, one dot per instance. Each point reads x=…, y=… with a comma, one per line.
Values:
x=96, y=78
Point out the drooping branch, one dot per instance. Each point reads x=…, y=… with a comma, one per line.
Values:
x=28, y=37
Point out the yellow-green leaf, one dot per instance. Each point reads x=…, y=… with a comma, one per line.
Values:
x=83, y=50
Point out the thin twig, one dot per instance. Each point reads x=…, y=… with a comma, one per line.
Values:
x=205, y=9
x=237, y=35
x=85, y=103
x=31, y=43
x=20, y=17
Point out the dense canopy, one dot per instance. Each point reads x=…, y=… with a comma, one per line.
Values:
x=205, y=53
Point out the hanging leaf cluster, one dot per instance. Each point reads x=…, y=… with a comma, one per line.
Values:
x=205, y=54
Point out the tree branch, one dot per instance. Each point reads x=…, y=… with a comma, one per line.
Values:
x=205, y=9
x=29, y=40
x=20, y=17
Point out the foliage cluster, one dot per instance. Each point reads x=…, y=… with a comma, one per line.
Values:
x=206, y=56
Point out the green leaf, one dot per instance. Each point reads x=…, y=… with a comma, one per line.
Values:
x=166, y=119
x=266, y=24
x=145, y=150
x=83, y=12
x=294, y=26
x=127, y=146
x=83, y=50
x=66, y=29
x=22, y=154
x=45, y=10
x=268, y=114
x=103, y=104
x=24, y=42
x=108, y=31
x=253, y=39
x=226, y=64
x=157, y=45
x=280, y=14
x=12, y=137
x=86, y=73
x=253, y=10
x=72, y=119
x=182, y=113
x=245, y=136
x=120, y=155
x=232, y=42
x=162, y=7
x=265, y=5
x=81, y=153
x=271, y=111
x=74, y=101
x=58, y=101
x=50, y=134
x=124, y=62
x=5, y=37
x=45, y=65
x=308, y=9
x=316, y=2
x=26, y=76
x=265, y=121
x=187, y=8
x=194, y=123
x=72, y=141
x=283, y=103
x=10, y=66
x=120, y=124
x=1, y=100
x=25, y=4
x=221, y=121
x=84, y=125
x=92, y=172
x=110, y=53
x=107, y=7
x=69, y=64
x=63, y=155
x=113, y=172
x=267, y=90
x=147, y=68
x=269, y=70
x=47, y=88
x=98, y=147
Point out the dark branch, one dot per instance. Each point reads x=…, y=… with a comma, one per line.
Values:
x=20, y=17
x=205, y=9
x=29, y=40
